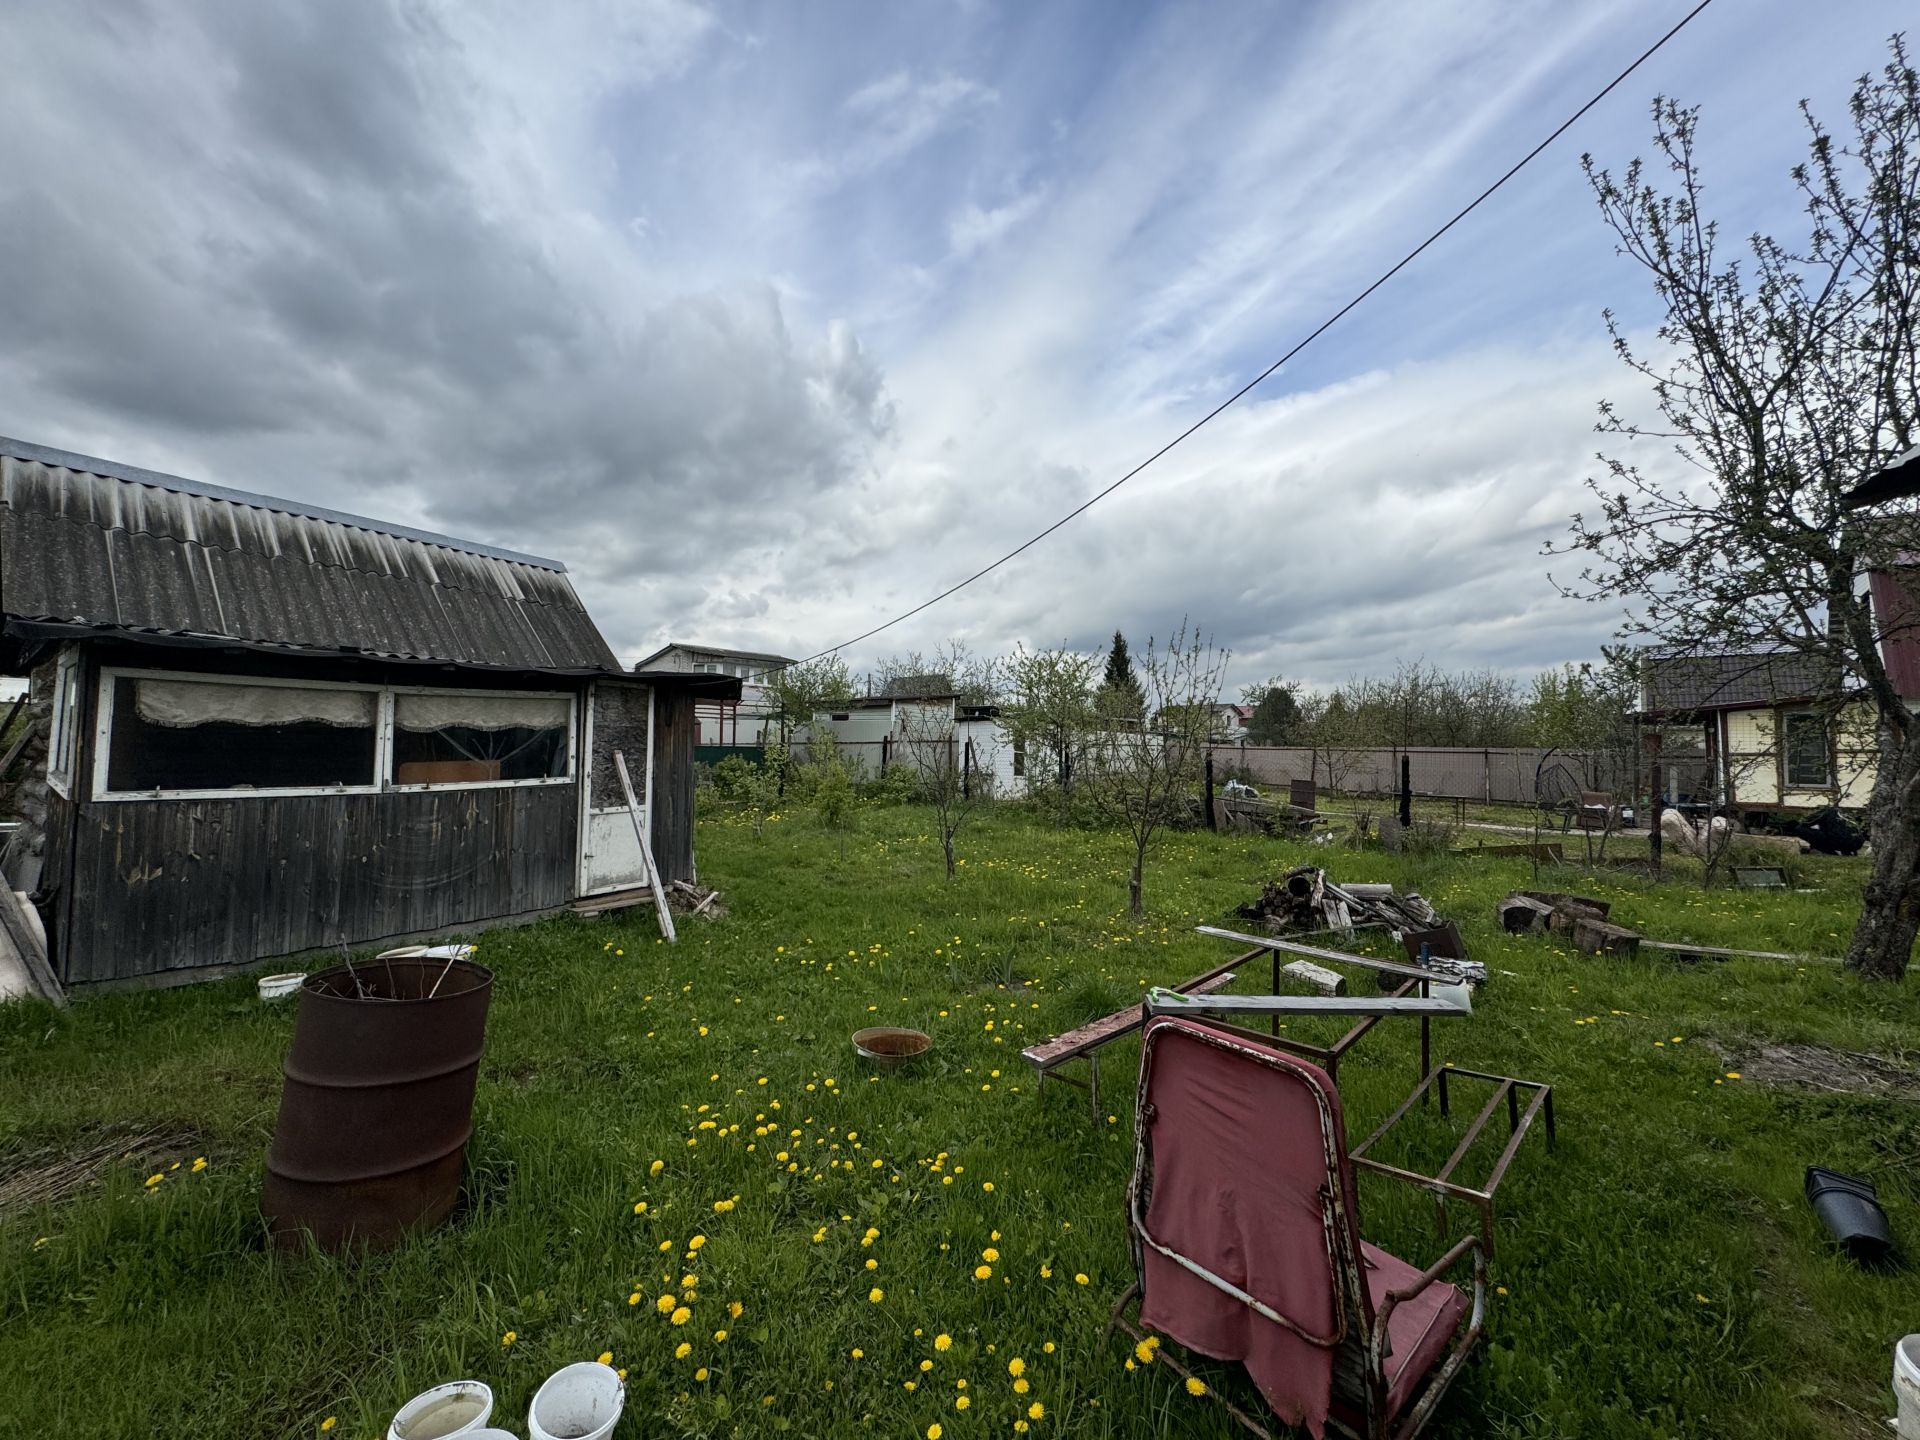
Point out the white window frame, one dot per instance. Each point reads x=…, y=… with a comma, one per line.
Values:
x=1803, y=712
x=382, y=733
x=63, y=737
x=565, y=777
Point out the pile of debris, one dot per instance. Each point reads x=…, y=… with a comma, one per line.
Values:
x=693, y=899
x=1305, y=899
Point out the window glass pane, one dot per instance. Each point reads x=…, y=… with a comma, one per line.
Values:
x=448, y=739
x=196, y=735
x=1806, y=751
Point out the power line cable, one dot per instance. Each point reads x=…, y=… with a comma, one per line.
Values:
x=1313, y=335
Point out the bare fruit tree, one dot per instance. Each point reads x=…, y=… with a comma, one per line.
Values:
x=1782, y=377
x=952, y=770
x=1146, y=769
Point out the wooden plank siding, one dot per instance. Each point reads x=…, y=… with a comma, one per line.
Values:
x=165, y=885
x=676, y=728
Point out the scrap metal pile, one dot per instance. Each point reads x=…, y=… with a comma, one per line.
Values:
x=1305, y=899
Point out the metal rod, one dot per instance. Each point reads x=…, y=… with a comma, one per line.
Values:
x=1172, y=1002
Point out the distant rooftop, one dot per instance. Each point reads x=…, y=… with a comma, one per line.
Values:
x=1672, y=684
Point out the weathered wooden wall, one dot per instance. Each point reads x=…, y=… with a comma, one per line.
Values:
x=166, y=885
x=675, y=730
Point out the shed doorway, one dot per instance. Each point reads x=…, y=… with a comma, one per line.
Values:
x=619, y=718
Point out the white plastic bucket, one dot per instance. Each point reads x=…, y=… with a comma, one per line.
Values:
x=461, y=1408
x=1906, y=1387
x=489, y=1434
x=581, y=1402
x=278, y=987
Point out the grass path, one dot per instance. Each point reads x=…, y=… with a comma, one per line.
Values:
x=666, y=1129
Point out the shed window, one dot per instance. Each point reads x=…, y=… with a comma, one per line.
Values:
x=1809, y=757
x=1020, y=759
x=204, y=735
x=449, y=738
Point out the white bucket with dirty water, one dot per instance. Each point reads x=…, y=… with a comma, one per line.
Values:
x=1906, y=1387
x=278, y=987
x=461, y=1408
x=581, y=1402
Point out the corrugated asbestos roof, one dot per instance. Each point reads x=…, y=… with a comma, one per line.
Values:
x=1719, y=682
x=88, y=542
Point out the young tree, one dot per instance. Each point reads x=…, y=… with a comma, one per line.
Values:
x=949, y=769
x=1783, y=379
x=800, y=692
x=1144, y=775
x=1049, y=714
x=1276, y=711
x=1121, y=697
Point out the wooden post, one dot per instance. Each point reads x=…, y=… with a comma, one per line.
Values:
x=966, y=769
x=886, y=749
x=1406, y=790
x=1654, y=809
x=646, y=852
x=1212, y=824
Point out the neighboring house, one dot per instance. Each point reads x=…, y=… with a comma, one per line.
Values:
x=268, y=728
x=746, y=721
x=1230, y=722
x=1757, y=731
x=873, y=731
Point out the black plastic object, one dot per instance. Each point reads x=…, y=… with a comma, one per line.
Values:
x=1850, y=1209
x=1830, y=832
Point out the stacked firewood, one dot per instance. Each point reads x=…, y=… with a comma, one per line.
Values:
x=1305, y=899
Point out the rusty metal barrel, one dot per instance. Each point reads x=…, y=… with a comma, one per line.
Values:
x=377, y=1104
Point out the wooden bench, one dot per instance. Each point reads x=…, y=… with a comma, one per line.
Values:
x=1084, y=1042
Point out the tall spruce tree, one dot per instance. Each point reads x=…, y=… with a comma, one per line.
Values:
x=1120, y=690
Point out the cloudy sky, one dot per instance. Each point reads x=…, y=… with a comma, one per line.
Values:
x=772, y=320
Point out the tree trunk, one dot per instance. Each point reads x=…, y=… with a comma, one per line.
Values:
x=1890, y=905
x=946, y=845
x=1135, y=904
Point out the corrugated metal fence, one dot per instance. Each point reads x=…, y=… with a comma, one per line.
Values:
x=1512, y=776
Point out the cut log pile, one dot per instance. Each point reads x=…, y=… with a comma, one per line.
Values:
x=1304, y=899
x=1579, y=916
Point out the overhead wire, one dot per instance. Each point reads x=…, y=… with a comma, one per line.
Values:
x=1313, y=335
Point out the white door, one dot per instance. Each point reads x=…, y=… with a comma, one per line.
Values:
x=619, y=718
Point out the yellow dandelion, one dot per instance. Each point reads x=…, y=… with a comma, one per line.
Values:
x=682, y=1350
x=701, y=1374
x=1144, y=1353
x=639, y=1207
x=1195, y=1385
x=719, y=1337
x=1016, y=1367
x=327, y=1424
x=983, y=1272
x=991, y=1255
x=1081, y=1279
x=943, y=1341
x=933, y=1431
x=680, y=1316
x=696, y=1242
x=509, y=1337
x=1036, y=1411
x=664, y=1304
x=606, y=1357
x=876, y=1295
x=1020, y=1386
x=734, y=1310
x=656, y=1167
x=961, y=1402
x=925, y=1365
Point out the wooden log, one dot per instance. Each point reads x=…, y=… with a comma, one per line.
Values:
x=1520, y=914
x=1603, y=937
x=1317, y=976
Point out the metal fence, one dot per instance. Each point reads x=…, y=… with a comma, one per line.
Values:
x=1520, y=775
x=1514, y=776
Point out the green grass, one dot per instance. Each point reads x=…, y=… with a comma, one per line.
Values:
x=1663, y=1275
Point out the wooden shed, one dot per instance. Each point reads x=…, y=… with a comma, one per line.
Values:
x=264, y=728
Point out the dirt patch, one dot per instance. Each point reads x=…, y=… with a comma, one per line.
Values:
x=1819, y=1067
x=50, y=1174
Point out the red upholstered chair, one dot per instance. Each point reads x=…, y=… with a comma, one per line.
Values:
x=1246, y=1238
